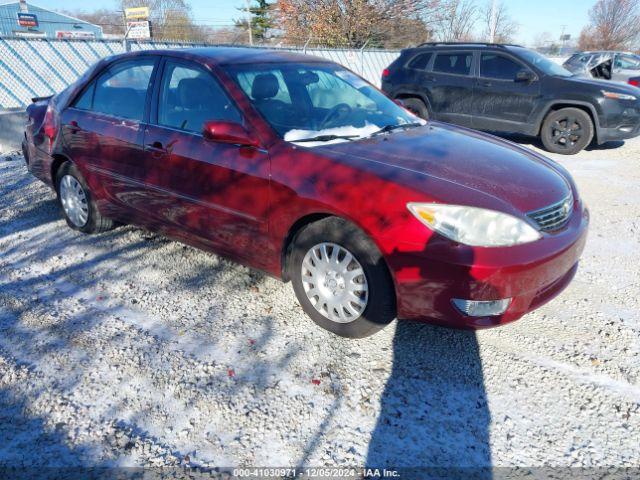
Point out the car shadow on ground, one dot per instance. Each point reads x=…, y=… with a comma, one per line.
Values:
x=434, y=410
x=535, y=142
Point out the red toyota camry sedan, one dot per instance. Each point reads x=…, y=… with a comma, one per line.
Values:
x=296, y=166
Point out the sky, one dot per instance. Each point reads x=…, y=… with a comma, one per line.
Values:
x=533, y=16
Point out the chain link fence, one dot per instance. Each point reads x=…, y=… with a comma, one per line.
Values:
x=32, y=67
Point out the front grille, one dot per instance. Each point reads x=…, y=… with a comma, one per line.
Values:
x=555, y=216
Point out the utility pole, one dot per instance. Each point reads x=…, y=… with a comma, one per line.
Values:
x=125, y=43
x=247, y=3
x=494, y=20
x=563, y=38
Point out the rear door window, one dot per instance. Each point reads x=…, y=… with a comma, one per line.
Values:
x=122, y=90
x=493, y=65
x=458, y=63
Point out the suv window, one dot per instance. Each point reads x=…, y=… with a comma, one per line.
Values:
x=420, y=61
x=497, y=66
x=122, y=90
x=456, y=63
x=190, y=97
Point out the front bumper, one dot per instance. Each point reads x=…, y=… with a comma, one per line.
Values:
x=622, y=123
x=530, y=275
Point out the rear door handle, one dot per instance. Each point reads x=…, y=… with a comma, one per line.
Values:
x=156, y=147
x=74, y=126
x=486, y=84
x=429, y=78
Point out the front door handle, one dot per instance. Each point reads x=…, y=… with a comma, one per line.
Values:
x=486, y=84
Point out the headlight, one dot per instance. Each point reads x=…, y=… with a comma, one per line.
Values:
x=618, y=96
x=477, y=227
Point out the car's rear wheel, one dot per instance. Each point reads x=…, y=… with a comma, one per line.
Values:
x=567, y=131
x=341, y=280
x=416, y=106
x=77, y=203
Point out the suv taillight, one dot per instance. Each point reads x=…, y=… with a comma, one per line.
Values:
x=50, y=126
x=635, y=82
x=385, y=73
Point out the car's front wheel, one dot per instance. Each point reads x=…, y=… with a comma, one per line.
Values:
x=77, y=204
x=341, y=279
x=567, y=131
x=416, y=106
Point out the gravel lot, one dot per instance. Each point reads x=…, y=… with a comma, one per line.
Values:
x=130, y=349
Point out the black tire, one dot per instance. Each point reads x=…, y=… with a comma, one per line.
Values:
x=416, y=106
x=567, y=131
x=95, y=223
x=381, y=305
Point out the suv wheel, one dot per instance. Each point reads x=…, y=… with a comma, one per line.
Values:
x=567, y=131
x=416, y=106
x=341, y=280
x=76, y=201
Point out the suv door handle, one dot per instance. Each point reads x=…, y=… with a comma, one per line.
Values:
x=485, y=83
x=429, y=78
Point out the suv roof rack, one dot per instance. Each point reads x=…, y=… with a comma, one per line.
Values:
x=469, y=44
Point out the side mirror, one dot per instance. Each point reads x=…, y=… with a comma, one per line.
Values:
x=525, y=76
x=228, y=132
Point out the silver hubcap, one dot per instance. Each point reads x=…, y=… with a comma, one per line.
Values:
x=74, y=201
x=334, y=282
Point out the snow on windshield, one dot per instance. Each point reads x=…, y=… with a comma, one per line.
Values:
x=358, y=132
x=293, y=135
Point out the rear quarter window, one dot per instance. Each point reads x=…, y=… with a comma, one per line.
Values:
x=420, y=61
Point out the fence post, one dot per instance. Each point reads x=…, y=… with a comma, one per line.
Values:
x=362, y=56
x=304, y=49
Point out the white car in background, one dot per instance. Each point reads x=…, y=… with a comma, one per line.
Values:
x=607, y=65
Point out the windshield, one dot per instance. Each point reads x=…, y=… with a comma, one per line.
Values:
x=319, y=103
x=541, y=62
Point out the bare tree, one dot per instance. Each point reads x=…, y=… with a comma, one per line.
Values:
x=505, y=26
x=110, y=20
x=543, y=39
x=170, y=19
x=614, y=25
x=454, y=20
x=355, y=22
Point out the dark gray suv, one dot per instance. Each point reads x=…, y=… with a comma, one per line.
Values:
x=514, y=90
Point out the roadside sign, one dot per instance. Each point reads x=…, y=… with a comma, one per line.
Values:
x=137, y=13
x=139, y=29
x=27, y=19
x=74, y=34
x=24, y=34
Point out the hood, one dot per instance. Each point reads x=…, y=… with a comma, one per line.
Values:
x=470, y=159
x=610, y=85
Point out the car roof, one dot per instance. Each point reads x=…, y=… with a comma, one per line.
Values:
x=465, y=45
x=600, y=52
x=234, y=55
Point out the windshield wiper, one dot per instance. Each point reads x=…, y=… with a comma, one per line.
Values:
x=326, y=138
x=390, y=128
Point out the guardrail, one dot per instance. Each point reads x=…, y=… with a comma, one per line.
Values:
x=34, y=67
